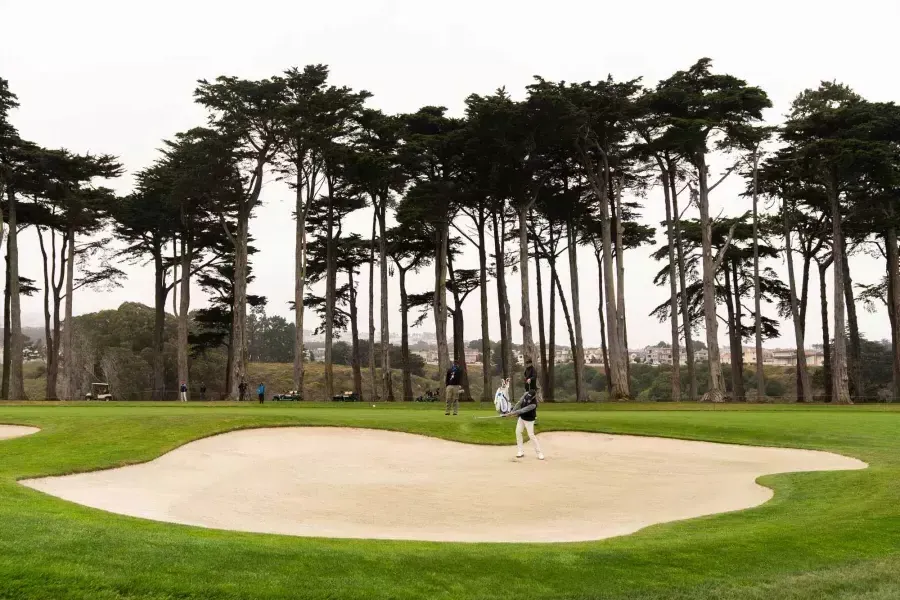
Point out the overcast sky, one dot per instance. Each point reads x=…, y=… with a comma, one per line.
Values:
x=117, y=77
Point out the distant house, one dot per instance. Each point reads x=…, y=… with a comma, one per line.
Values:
x=593, y=356
x=429, y=356
x=473, y=357
x=563, y=354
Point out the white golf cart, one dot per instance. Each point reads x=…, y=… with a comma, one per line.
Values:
x=99, y=391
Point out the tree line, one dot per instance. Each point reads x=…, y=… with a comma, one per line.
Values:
x=526, y=183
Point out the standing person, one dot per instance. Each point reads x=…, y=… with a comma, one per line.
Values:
x=183, y=391
x=453, y=381
x=261, y=391
x=530, y=376
x=526, y=410
x=203, y=391
x=242, y=390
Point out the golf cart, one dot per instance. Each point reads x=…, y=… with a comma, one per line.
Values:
x=346, y=397
x=292, y=395
x=99, y=391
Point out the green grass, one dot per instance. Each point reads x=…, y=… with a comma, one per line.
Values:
x=825, y=535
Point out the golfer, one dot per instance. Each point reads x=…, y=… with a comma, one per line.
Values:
x=526, y=410
x=261, y=391
x=453, y=381
x=183, y=391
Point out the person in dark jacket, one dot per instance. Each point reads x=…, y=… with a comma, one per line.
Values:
x=530, y=376
x=453, y=382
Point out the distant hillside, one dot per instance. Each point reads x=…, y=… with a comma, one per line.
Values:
x=32, y=333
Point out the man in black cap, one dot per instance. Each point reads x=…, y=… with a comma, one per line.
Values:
x=530, y=376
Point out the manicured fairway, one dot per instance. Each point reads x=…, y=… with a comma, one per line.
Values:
x=824, y=535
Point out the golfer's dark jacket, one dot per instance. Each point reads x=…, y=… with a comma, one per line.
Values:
x=526, y=408
x=454, y=376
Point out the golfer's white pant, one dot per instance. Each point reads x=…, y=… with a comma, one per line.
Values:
x=527, y=426
x=184, y=396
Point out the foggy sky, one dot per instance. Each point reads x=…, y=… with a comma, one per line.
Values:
x=117, y=77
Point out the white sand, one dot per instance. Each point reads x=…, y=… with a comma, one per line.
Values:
x=357, y=483
x=7, y=432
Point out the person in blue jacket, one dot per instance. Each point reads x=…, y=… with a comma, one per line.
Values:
x=261, y=391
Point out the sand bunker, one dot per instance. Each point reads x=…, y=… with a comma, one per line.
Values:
x=357, y=483
x=7, y=432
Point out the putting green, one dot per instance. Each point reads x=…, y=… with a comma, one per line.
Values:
x=823, y=535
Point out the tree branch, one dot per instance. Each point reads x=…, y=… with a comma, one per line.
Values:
x=227, y=230
x=465, y=235
x=724, y=177
x=721, y=255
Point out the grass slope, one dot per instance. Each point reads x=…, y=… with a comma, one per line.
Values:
x=824, y=535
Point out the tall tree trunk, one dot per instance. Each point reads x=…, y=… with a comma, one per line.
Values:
x=229, y=354
x=330, y=291
x=239, y=313
x=354, y=338
x=826, y=338
x=578, y=349
x=440, y=296
x=175, y=263
x=620, y=281
x=740, y=394
x=159, y=324
x=17, y=342
x=804, y=390
x=7, y=334
x=840, y=390
x=618, y=360
x=542, y=336
x=757, y=306
x=565, y=307
x=854, y=363
x=300, y=208
x=68, y=328
x=673, y=289
x=600, y=312
x=715, y=393
x=386, y=375
x=529, y=348
x=733, y=336
x=459, y=344
x=487, y=393
x=373, y=374
x=804, y=301
x=404, y=336
x=187, y=258
x=682, y=279
x=502, y=298
x=459, y=349
x=551, y=342
x=893, y=277
x=510, y=359
x=50, y=331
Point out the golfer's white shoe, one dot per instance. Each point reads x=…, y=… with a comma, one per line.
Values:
x=520, y=455
x=540, y=456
